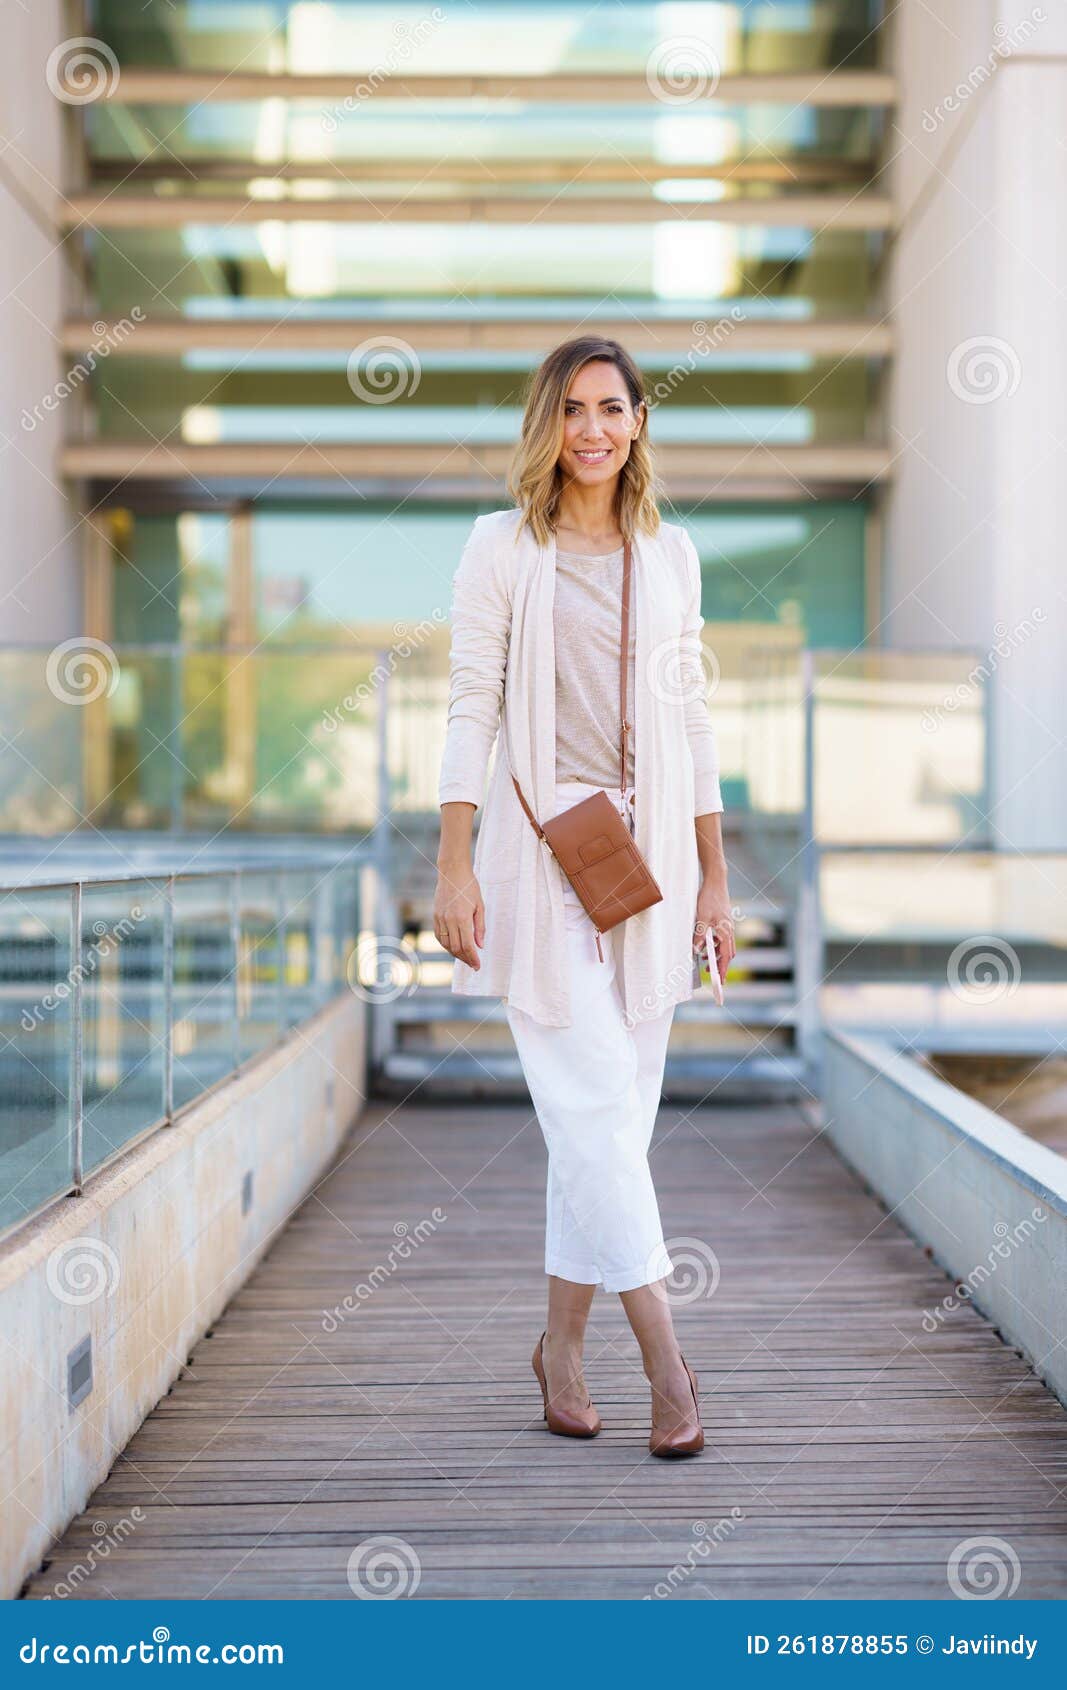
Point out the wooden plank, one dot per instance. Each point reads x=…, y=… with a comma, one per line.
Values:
x=851, y=1449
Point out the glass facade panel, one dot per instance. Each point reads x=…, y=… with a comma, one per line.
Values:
x=487, y=36
x=695, y=265
x=485, y=147
x=789, y=399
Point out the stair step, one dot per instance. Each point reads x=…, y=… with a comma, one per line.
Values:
x=756, y=1004
x=487, y=1071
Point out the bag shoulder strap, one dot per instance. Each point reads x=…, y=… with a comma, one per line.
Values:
x=624, y=652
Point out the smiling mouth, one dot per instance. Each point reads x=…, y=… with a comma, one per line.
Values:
x=593, y=457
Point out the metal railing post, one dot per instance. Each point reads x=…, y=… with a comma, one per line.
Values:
x=808, y=972
x=77, y=1048
x=235, y=947
x=168, y=999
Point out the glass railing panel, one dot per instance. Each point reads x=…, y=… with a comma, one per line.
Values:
x=123, y=1015
x=900, y=747
x=205, y=997
x=36, y=1159
x=260, y=991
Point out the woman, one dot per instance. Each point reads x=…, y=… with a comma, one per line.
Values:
x=536, y=632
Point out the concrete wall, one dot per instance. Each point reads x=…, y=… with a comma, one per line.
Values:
x=40, y=585
x=974, y=516
x=989, y=1202
x=143, y=1263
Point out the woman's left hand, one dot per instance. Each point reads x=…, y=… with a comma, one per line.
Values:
x=714, y=914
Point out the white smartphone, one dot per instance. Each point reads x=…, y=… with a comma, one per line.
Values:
x=706, y=968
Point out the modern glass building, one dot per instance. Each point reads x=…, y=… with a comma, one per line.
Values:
x=312, y=253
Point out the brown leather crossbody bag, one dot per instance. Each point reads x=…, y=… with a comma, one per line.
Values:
x=592, y=844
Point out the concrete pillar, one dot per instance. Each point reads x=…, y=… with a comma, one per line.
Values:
x=978, y=409
x=39, y=576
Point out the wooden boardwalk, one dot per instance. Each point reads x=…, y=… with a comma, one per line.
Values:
x=850, y=1452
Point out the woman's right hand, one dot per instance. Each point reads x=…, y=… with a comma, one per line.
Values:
x=459, y=913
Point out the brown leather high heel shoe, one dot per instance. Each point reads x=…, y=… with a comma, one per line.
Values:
x=685, y=1439
x=562, y=1421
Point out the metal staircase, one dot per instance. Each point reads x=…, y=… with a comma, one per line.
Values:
x=427, y=1039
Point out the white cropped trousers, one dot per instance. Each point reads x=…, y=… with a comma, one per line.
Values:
x=595, y=1086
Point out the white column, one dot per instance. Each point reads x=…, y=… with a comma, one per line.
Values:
x=39, y=576
x=978, y=410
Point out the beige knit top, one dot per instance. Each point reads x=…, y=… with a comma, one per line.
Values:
x=587, y=628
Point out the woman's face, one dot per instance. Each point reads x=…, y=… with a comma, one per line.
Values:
x=599, y=424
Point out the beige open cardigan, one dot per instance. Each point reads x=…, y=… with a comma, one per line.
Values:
x=502, y=676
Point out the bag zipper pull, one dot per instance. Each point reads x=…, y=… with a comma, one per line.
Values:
x=600, y=953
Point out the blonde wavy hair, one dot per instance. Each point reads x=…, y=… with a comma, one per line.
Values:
x=535, y=480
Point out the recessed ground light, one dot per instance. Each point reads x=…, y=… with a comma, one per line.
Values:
x=80, y=1372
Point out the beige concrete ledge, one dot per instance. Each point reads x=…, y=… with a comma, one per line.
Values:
x=145, y=1260
x=988, y=1202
